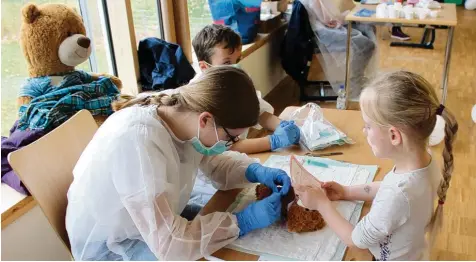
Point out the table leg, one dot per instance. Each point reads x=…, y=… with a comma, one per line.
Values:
x=347, y=64
x=444, y=83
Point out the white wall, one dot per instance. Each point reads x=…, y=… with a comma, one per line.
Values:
x=31, y=237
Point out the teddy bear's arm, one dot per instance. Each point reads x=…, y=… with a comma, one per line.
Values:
x=23, y=100
x=114, y=79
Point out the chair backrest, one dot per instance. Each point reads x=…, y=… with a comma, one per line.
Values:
x=46, y=166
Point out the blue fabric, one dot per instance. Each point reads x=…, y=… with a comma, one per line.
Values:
x=259, y=214
x=52, y=105
x=162, y=65
x=285, y=135
x=270, y=177
x=243, y=16
x=136, y=250
x=364, y=12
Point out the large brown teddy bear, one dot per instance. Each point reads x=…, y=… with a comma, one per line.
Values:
x=53, y=39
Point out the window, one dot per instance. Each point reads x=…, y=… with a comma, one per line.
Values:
x=145, y=14
x=199, y=15
x=93, y=17
x=14, y=68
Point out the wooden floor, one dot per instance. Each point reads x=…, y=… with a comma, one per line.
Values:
x=457, y=240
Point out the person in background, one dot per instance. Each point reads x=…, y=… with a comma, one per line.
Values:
x=134, y=178
x=397, y=33
x=399, y=110
x=220, y=45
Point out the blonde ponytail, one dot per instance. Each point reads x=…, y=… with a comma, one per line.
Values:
x=451, y=128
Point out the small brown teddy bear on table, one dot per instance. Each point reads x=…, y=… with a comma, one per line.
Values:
x=53, y=40
x=298, y=219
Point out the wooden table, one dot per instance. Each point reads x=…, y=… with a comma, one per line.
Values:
x=350, y=122
x=446, y=17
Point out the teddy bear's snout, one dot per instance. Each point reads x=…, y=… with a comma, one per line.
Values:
x=74, y=50
x=83, y=42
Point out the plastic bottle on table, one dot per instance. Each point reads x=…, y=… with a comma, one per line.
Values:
x=341, y=103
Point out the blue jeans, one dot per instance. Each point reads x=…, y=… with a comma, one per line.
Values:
x=135, y=250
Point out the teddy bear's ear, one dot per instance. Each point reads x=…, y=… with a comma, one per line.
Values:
x=75, y=10
x=30, y=13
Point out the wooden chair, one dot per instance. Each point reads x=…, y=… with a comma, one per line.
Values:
x=46, y=166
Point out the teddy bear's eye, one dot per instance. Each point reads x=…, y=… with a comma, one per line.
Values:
x=70, y=34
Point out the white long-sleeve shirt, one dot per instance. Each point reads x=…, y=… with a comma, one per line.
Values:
x=394, y=229
x=132, y=181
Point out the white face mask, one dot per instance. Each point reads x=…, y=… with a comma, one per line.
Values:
x=233, y=65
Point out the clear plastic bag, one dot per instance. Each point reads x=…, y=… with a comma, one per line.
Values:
x=316, y=132
x=328, y=24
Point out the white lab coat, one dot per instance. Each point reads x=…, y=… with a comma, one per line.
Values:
x=132, y=181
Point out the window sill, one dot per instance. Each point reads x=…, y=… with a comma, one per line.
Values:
x=261, y=40
x=14, y=205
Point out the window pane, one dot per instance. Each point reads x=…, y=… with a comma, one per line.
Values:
x=14, y=68
x=146, y=19
x=96, y=32
x=199, y=15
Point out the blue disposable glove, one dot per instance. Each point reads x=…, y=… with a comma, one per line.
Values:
x=259, y=214
x=270, y=177
x=286, y=134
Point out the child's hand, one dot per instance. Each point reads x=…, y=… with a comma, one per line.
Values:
x=311, y=197
x=286, y=134
x=332, y=24
x=334, y=190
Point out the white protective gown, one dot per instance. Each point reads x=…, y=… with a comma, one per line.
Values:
x=132, y=181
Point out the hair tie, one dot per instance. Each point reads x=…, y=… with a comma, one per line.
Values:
x=440, y=109
x=441, y=202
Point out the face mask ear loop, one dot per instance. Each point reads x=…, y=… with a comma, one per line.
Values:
x=216, y=131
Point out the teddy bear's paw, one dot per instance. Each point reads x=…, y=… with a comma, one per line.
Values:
x=116, y=82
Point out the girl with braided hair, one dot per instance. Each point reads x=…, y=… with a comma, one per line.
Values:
x=399, y=110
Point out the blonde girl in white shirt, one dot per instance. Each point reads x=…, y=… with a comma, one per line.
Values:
x=399, y=110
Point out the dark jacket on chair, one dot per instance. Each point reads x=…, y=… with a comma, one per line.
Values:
x=298, y=44
x=163, y=65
